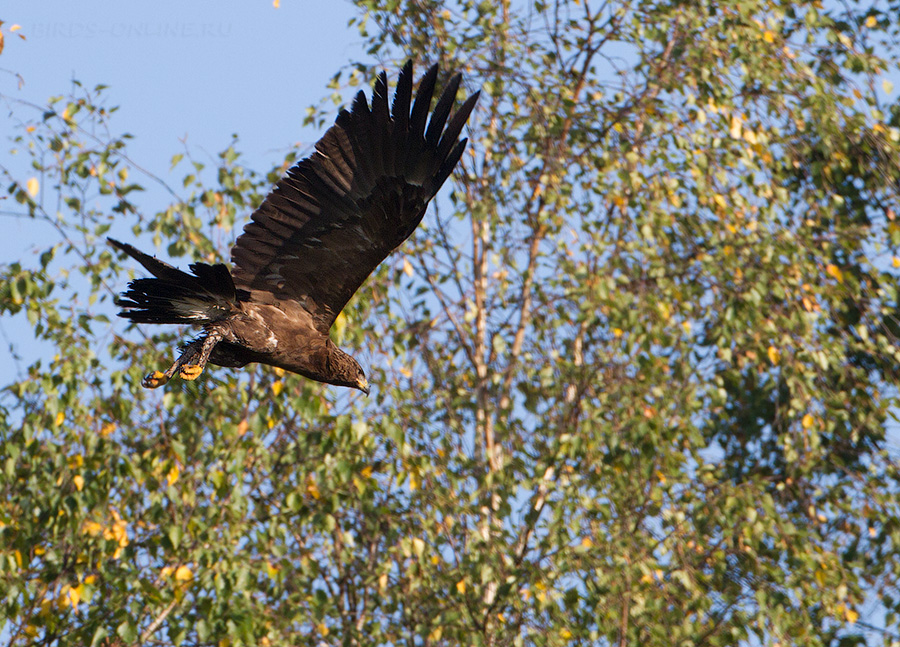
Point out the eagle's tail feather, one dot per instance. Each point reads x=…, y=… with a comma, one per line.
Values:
x=176, y=297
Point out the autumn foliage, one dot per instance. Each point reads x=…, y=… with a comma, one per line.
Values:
x=634, y=382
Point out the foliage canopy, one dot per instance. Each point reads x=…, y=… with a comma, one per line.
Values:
x=634, y=381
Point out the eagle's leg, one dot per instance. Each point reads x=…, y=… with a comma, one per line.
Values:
x=158, y=378
x=192, y=365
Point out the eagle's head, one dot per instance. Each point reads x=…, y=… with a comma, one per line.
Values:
x=343, y=370
x=361, y=382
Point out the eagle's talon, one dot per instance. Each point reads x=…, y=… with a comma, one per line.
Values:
x=154, y=380
x=190, y=371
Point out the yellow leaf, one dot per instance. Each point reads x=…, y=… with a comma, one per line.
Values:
x=69, y=597
x=60, y=417
x=895, y=261
x=769, y=36
x=735, y=130
x=78, y=480
x=107, y=429
x=720, y=200
x=340, y=324
x=383, y=581
x=183, y=574
x=820, y=577
x=701, y=116
x=172, y=476
x=887, y=86
x=15, y=28
x=851, y=615
x=366, y=471
x=461, y=587
x=278, y=371
x=312, y=489
x=91, y=528
x=618, y=332
x=835, y=272
x=277, y=387
x=32, y=186
x=664, y=310
x=871, y=21
x=276, y=3
x=407, y=267
x=808, y=421
x=62, y=600
x=774, y=355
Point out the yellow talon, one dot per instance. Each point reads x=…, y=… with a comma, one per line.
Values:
x=190, y=371
x=154, y=380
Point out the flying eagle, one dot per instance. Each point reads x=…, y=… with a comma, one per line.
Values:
x=324, y=227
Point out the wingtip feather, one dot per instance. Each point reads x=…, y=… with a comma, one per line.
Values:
x=442, y=111
x=423, y=100
x=403, y=97
x=454, y=128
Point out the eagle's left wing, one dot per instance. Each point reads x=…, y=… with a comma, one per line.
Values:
x=337, y=214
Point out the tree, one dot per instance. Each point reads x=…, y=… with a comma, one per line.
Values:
x=634, y=378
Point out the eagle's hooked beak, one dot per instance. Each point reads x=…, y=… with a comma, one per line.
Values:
x=363, y=385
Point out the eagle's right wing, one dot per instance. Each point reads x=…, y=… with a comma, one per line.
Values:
x=337, y=214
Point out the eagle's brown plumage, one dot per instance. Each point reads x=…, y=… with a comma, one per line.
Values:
x=323, y=229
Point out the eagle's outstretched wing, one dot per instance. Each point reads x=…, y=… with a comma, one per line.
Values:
x=338, y=213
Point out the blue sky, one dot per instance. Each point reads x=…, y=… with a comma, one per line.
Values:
x=202, y=70
x=197, y=72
